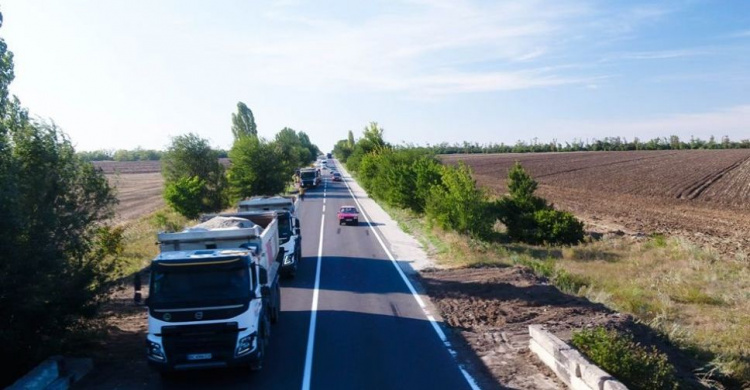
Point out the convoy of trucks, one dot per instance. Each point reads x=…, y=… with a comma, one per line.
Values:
x=214, y=292
x=214, y=288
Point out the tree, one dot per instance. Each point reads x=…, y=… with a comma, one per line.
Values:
x=243, y=122
x=257, y=169
x=350, y=140
x=191, y=156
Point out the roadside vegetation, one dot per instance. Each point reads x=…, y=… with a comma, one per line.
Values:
x=59, y=254
x=692, y=297
x=62, y=253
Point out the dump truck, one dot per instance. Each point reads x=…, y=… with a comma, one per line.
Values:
x=290, y=237
x=214, y=292
x=309, y=177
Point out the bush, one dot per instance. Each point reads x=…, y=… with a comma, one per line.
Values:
x=636, y=366
x=531, y=219
x=184, y=196
x=558, y=227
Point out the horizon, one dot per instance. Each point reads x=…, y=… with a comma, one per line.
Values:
x=122, y=76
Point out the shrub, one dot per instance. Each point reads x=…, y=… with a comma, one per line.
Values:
x=184, y=196
x=532, y=219
x=636, y=366
x=558, y=227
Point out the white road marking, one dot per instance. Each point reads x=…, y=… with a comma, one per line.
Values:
x=314, y=309
x=469, y=379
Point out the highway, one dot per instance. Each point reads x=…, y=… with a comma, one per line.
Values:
x=349, y=319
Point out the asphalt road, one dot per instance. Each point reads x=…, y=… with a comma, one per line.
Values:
x=360, y=329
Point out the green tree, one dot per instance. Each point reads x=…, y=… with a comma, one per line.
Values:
x=243, y=122
x=257, y=169
x=191, y=156
x=457, y=204
x=350, y=140
x=59, y=256
x=185, y=196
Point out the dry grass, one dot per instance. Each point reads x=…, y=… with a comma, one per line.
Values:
x=698, y=299
x=140, y=237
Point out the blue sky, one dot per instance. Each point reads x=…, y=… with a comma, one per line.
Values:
x=123, y=74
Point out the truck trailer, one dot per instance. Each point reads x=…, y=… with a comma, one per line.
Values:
x=214, y=292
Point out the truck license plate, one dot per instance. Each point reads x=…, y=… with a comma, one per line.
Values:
x=199, y=356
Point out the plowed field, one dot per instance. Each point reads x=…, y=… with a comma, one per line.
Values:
x=703, y=195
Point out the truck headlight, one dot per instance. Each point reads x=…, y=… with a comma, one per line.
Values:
x=154, y=351
x=245, y=344
x=289, y=259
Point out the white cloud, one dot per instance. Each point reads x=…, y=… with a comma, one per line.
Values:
x=447, y=47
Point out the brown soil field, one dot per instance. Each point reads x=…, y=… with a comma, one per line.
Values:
x=701, y=195
x=139, y=194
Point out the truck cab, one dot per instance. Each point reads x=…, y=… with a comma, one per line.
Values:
x=310, y=177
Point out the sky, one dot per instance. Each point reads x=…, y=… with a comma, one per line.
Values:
x=127, y=74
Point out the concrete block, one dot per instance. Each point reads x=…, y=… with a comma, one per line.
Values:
x=40, y=377
x=576, y=383
x=561, y=370
x=547, y=340
x=614, y=384
x=62, y=383
x=594, y=376
x=574, y=361
x=76, y=368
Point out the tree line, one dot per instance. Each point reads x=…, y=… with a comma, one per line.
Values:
x=448, y=196
x=609, y=144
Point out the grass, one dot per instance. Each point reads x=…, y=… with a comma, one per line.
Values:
x=699, y=300
x=140, y=238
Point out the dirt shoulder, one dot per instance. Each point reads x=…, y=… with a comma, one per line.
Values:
x=492, y=307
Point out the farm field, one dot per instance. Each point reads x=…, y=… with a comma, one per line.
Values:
x=701, y=195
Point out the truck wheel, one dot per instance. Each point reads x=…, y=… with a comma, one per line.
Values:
x=264, y=333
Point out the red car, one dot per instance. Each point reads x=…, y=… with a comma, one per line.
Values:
x=348, y=215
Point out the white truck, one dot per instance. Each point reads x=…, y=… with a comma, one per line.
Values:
x=290, y=237
x=214, y=292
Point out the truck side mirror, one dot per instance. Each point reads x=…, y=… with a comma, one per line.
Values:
x=296, y=222
x=296, y=232
x=263, y=276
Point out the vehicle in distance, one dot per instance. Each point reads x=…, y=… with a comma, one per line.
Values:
x=310, y=177
x=214, y=292
x=329, y=155
x=348, y=215
x=336, y=176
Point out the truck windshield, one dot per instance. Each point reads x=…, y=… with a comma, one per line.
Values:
x=186, y=286
x=308, y=175
x=285, y=227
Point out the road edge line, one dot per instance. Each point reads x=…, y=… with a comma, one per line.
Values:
x=435, y=326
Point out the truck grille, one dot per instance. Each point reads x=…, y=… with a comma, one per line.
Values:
x=216, y=339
